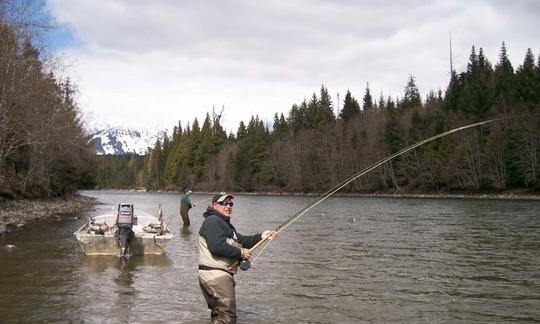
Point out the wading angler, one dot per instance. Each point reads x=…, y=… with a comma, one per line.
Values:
x=221, y=248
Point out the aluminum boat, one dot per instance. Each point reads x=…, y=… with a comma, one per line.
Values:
x=124, y=231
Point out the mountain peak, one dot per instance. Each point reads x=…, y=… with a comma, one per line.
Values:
x=120, y=141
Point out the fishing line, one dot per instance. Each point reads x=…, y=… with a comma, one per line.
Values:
x=345, y=182
x=200, y=201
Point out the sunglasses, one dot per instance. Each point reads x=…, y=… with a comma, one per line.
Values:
x=226, y=203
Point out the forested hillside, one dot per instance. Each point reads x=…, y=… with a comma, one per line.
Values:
x=43, y=147
x=311, y=149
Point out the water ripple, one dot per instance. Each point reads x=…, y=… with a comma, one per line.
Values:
x=400, y=260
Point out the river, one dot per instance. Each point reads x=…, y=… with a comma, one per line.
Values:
x=349, y=260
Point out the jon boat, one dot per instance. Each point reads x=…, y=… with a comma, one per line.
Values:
x=124, y=231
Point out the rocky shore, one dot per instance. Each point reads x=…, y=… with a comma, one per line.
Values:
x=15, y=214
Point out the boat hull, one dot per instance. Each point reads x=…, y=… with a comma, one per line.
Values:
x=106, y=243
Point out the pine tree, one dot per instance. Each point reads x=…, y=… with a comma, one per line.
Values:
x=203, y=150
x=451, y=97
x=512, y=160
x=477, y=93
x=325, y=109
x=367, y=100
x=390, y=105
x=504, y=81
x=241, y=132
x=350, y=107
x=152, y=166
x=194, y=142
x=527, y=82
x=394, y=142
x=252, y=153
x=280, y=129
x=171, y=169
x=183, y=153
x=431, y=99
x=381, y=105
x=483, y=64
x=298, y=118
x=473, y=66
x=312, y=113
x=219, y=136
x=412, y=95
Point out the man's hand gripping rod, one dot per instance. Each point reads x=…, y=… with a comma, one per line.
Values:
x=245, y=264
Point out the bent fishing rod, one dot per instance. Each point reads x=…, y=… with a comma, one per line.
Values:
x=246, y=264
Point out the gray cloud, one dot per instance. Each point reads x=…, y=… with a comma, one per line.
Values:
x=249, y=53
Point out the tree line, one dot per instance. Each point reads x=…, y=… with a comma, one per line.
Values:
x=312, y=148
x=43, y=146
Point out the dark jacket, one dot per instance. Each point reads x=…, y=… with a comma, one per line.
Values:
x=217, y=228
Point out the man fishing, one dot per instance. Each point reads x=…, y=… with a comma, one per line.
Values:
x=220, y=249
x=185, y=206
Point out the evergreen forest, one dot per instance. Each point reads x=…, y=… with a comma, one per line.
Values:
x=43, y=146
x=312, y=148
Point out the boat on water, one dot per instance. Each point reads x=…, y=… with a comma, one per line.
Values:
x=124, y=231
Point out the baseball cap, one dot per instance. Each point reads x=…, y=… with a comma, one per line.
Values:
x=221, y=197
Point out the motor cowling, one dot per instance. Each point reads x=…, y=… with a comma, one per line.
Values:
x=125, y=216
x=125, y=220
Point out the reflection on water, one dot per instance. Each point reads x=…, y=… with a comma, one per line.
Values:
x=185, y=231
x=125, y=269
x=98, y=263
x=124, y=280
x=350, y=260
x=126, y=283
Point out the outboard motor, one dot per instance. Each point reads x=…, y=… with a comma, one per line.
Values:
x=125, y=219
x=161, y=220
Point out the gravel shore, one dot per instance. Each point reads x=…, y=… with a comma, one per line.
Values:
x=14, y=214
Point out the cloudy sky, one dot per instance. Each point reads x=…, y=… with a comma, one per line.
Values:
x=150, y=64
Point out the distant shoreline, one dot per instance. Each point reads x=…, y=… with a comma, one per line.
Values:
x=508, y=195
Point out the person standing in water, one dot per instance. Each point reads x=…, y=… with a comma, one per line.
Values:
x=220, y=249
x=185, y=206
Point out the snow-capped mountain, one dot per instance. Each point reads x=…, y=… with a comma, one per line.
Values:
x=117, y=141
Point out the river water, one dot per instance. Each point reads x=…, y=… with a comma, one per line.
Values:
x=349, y=260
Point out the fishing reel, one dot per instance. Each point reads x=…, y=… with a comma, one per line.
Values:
x=245, y=264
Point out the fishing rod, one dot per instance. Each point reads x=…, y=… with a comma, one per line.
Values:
x=200, y=201
x=166, y=220
x=246, y=264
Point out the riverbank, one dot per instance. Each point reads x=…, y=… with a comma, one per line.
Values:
x=15, y=214
x=515, y=194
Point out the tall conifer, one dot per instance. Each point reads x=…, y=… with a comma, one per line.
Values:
x=325, y=108
x=367, y=100
x=504, y=81
x=412, y=95
x=350, y=107
x=527, y=87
